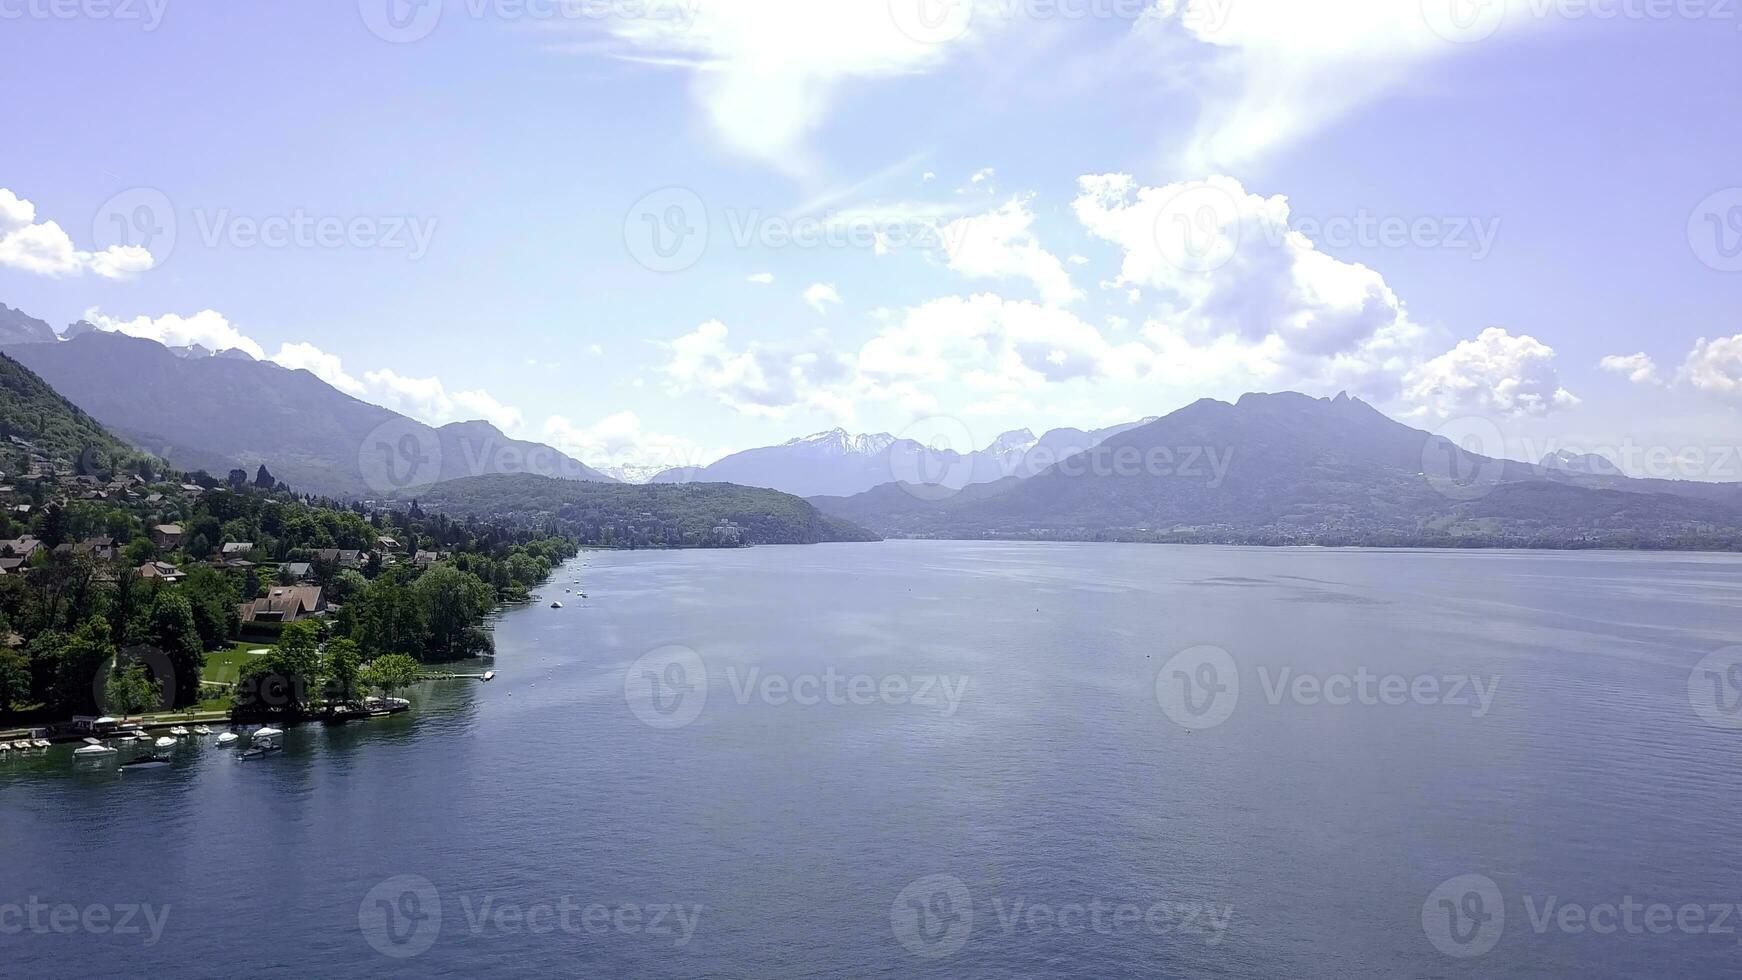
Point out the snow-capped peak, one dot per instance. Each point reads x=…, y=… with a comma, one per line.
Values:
x=1014, y=441
x=841, y=442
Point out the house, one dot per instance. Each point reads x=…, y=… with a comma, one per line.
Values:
x=25, y=547
x=386, y=543
x=299, y=570
x=285, y=604
x=12, y=566
x=340, y=557
x=161, y=569
x=167, y=536
x=237, y=548
x=424, y=559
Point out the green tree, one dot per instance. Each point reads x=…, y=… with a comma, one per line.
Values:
x=391, y=673
x=453, y=602
x=173, y=630
x=341, y=666
x=281, y=682
x=86, y=656
x=131, y=691
x=14, y=679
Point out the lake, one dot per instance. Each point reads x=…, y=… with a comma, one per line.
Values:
x=938, y=759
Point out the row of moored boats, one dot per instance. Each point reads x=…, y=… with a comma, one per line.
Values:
x=261, y=742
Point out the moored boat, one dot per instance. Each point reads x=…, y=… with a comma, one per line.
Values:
x=165, y=742
x=153, y=761
x=92, y=749
x=228, y=738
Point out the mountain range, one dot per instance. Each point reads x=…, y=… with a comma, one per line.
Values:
x=836, y=463
x=1286, y=468
x=214, y=412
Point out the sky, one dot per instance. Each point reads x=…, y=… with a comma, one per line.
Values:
x=654, y=231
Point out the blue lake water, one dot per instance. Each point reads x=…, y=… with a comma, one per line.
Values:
x=931, y=759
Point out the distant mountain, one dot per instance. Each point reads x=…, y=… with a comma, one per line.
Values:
x=641, y=516
x=1588, y=464
x=18, y=327
x=836, y=463
x=224, y=411
x=53, y=427
x=1290, y=469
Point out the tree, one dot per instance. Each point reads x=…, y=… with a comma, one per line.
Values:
x=131, y=691
x=84, y=658
x=342, y=665
x=173, y=630
x=453, y=602
x=279, y=683
x=390, y=673
x=14, y=679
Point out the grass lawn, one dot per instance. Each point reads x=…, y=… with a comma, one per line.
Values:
x=223, y=666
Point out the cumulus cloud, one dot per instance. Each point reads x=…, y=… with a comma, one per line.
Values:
x=45, y=249
x=1223, y=263
x=1001, y=244
x=428, y=399
x=821, y=295
x=762, y=278
x=1494, y=374
x=1639, y=368
x=208, y=328
x=759, y=379
x=1715, y=366
x=618, y=444
x=327, y=367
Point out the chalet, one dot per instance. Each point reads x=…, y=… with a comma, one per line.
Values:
x=424, y=559
x=386, y=543
x=285, y=604
x=299, y=570
x=161, y=569
x=167, y=536
x=237, y=548
x=341, y=557
x=12, y=566
x=24, y=548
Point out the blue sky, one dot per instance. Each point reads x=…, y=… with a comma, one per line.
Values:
x=1019, y=213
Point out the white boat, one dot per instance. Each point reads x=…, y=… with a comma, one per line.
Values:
x=228, y=738
x=489, y=675
x=164, y=742
x=202, y=730
x=179, y=732
x=5, y=747
x=556, y=605
x=267, y=733
x=91, y=749
x=43, y=743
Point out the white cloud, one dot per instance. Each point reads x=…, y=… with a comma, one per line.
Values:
x=1639, y=368
x=762, y=278
x=1494, y=374
x=1716, y=366
x=759, y=380
x=1001, y=244
x=45, y=249
x=618, y=445
x=821, y=295
x=428, y=400
x=1273, y=71
x=325, y=366
x=767, y=71
x=208, y=328
x=1224, y=267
